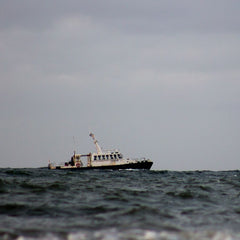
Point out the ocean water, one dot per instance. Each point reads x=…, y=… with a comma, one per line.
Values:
x=114, y=205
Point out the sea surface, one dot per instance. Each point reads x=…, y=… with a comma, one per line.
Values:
x=114, y=205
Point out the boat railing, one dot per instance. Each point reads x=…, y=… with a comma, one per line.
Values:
x=110, y=151
x=140, y=159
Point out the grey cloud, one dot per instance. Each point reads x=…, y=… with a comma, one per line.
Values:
x=154, y=78
x=129, y=16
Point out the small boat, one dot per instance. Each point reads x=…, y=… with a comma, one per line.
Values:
x=113, y=160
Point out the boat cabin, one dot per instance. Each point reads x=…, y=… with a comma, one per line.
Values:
x=107, y=156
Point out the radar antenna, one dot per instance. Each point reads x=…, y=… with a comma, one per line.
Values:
x=99, y=150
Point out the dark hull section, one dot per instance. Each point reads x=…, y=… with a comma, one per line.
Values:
x=139, y=165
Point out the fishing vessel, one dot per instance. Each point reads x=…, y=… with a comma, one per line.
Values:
x=102, y=160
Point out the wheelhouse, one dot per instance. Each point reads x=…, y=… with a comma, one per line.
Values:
x=107, y=156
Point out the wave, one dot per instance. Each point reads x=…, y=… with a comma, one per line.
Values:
x=18, y=172
x=117, y=234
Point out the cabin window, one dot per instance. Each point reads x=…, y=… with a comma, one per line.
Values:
x=95, y=157
x=119, y=156
x=107, y=156
x=111, y=156
x=103, y=157
x=115, y=156
x=99, y=157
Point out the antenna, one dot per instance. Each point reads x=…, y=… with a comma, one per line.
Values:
x=74, y=145
x=99, y=150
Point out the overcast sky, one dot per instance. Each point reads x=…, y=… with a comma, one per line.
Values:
x=154, y=78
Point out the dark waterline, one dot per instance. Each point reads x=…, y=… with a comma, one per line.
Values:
x=97, y=204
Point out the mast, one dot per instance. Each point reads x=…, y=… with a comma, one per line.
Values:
x=99, y=150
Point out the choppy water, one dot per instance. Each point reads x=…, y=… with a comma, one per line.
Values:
x=45, y=204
